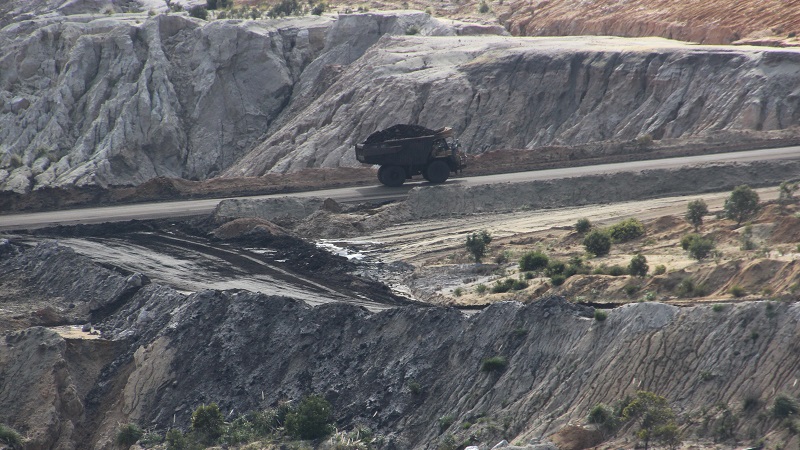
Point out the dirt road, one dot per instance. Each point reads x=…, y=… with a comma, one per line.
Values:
x=370, y=193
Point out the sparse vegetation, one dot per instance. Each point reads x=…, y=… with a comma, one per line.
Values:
x=481, y=289
x=458, y=292
x=476, y=244
x=785, y=406
x=597, y=242
x=533, y=261
x=445, y=422
x=412, y=30
x=747, y=238
x=718, y=307
x=660, y=269
x=494, y=364
x=128, y=434
x=638, y=266
x=285, y=8
x=737, y=291
x=786, y=194
x=10, y=437
x=688, y=288
x=742, y=204
x=699, y=247
x=600, y=315
x=483, y=8
x=695, y=212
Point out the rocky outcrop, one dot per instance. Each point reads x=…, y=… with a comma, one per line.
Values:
x=500, y=92
x=126, y=98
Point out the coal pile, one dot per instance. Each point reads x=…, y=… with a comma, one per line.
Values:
x=401, y=131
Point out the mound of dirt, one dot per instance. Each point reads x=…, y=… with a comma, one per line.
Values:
x=241, y=227
x=786, y=230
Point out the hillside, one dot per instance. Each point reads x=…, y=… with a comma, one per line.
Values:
x=121, y=98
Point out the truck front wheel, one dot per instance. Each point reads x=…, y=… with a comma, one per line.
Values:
x=438, y=171
x=392, y=176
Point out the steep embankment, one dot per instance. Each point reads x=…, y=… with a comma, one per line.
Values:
x=124, y=99
x=398, y=371
x=501, y=92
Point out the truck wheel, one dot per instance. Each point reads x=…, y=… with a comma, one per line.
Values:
x=438, y=171
x=392, y=176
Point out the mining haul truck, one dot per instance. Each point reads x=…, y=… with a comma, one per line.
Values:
x=403, y=151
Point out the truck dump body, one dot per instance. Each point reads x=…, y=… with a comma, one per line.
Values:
x=406, y=150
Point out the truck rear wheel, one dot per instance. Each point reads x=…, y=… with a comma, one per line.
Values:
x=437, y=172
x=392, y=176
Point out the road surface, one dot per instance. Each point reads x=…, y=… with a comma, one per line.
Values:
x=186, y=208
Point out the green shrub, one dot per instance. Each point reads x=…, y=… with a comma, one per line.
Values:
x=10, y=437
x=638, y=266
x=583, y=225
x=483, y=8
x=199, y=12
x=718, y=308
x=616, y=271
x=597, y=242
x=476, y=244
x=555, y=267
x=311, y=419
x=687, y=239
x=494, y=364
x=502, y=286
x=533, y=261
x=626, y=230
x=700, y=248
x=128, y=434
x=529, y=275
x=412, y=30
x=285, y=8
x=481, y=288
x=600, y=315
x=319, y=8
x=458, y=292
x=603, y=416
x=630, y=289
x=207, y=423
x=688, y=288
x=176, y=440
x=414, y=387
x=445, y=422
x=558, y=279
x=737, y=291
x=784, y=406
x=660, y=270
x=519, y=285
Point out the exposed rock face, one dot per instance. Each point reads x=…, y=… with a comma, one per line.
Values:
x=511, y=92
x=398, y=371
x=111, y=101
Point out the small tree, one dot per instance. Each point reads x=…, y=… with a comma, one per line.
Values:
x=597, y=242
x=638, y=266
x=207, y=423
x=476, y=244
x=742, y=204
x=655, y=418
x=695, y=212
x=311, y=419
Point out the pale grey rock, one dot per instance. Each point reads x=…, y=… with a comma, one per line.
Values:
x=115, y=102
x=268, y=209
x=502, y=92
